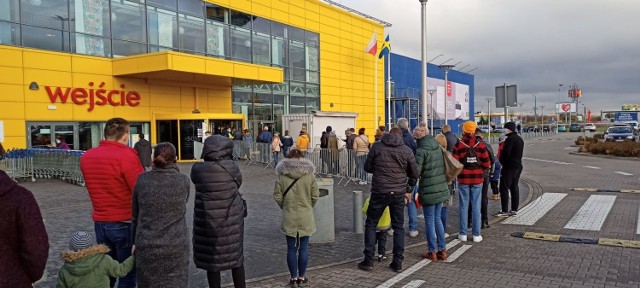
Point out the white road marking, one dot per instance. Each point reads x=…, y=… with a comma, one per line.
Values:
x=405, y=273
x=416, y=267
x=592, y=167
x=624, y=173
x=414, y=284
x=638, y=229
x=531, y=213
x=458, y=252
x=567, y=148
x=547, y=161
x=592, y=214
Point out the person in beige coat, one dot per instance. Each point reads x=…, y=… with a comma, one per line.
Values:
x=276, y=147
x=361, y=146
x=296, y=192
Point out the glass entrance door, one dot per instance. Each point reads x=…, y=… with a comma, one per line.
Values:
x=44, y=135
x=188, y=134
x=167, y=132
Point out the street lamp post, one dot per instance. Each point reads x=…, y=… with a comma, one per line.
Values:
x=535, y=109
x=558, y=108
x=542, y=112
x=423, y=4
x=489, y=115
x=431, y=91
x=446, y=69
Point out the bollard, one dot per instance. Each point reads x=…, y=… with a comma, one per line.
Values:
x=358, y=225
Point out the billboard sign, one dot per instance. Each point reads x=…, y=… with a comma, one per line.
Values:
x=626, y=116
x=566, y=107
x=631, y=107
x=512, y=96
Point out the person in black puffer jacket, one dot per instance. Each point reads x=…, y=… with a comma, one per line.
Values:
x=391, y=163
x=218, y=218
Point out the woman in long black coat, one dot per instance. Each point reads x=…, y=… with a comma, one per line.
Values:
x=159, y=224
x=218, y=218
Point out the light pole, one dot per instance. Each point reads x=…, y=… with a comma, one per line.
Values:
x=558, y=108
x=423, y=4
x=542, y=112
x=535, y=109
x=489, y=115
x=446, y=68
x=521, y=110
x=431, y=91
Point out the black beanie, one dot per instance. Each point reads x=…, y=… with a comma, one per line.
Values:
x=511, y=126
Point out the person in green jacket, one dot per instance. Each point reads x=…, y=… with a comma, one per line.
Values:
x=384, y=225
x=432, y=191
x=296, y=192
x=88, y=265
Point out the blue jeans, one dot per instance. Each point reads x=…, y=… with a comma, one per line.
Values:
x=362, y=175
x=297, y=255
x=285, y=151
x=117, y=236
x=275, y=158
x=443, y=217
x=412, y=211
x=470, y=193
x=435, y=230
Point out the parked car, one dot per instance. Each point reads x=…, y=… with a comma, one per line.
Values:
x=499, y=130
x=619, y=133
x=485, y=129
x=575, y=127
x=527, y=129
x=562, y=128
x=545, y=128
x=590, y=127
x=633, y=124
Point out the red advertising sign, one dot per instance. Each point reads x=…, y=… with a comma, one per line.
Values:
x=566, y=107
x=449, y=88
x=82, y=96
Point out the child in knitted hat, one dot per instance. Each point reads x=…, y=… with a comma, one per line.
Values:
x=88, y=265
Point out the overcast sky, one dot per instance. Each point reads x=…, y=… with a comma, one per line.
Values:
x=533, y=44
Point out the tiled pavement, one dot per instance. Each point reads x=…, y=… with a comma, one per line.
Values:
x=66, y=208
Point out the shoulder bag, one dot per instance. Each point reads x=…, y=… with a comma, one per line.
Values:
x=452, y=167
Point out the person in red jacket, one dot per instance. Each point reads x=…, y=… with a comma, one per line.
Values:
x=473, y=154
x=24, y=244
x=110, y=172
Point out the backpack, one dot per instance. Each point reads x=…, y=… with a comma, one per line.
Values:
x=470, y=160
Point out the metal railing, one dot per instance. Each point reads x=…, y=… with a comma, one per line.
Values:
x=21, y=164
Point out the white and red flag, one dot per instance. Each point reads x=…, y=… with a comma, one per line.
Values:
x=372, y=48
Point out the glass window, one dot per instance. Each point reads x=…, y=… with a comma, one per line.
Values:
x=191, y=30
x=240, y=19
x=261, y=49
x=298, y=75
x=277, y=29
x=241, y=44
x=278, y=53
x=217, y=13
x=313, y=77
x=128, y=21
x=280, y=89
x=241, y=97
x=312, y=38
x=192, y=7
x=312, y=104
x=153, y=48
x=217, y=35
x=166, y=4
x=312, y=90
x=297, y=55
x=46, y=13
x=163, y=27
x=9, y=10
x=43, y=38
x=91, y=45
x=297, y=89
x=91, y=17
x=297, y=104
x=295, y=33
x=9, y=33
x=312, y=58
x=126, y=48
x=262, y=25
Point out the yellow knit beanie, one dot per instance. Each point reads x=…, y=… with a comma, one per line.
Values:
x=469, y=127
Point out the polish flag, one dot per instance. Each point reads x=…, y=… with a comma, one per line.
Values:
x=372, y=48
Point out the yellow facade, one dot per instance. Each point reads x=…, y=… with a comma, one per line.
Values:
x=169, y=82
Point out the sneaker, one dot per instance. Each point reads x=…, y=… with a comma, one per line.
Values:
x=365, y=265
x=502, y=214
x=446, y=235
x=293, y=282
x=477, y=239
x=302, y=280
x=390, y=232
x=413, y=233
x=513, y=213
x=462, y=238
x=381, y=257
x=431, y=256
x=485, y=224
x=396, y=266
x=442, y=255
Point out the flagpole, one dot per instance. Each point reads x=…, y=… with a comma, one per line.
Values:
x=389, y=89
x=375, y=89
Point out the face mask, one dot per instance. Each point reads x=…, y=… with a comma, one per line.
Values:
x=58, y=141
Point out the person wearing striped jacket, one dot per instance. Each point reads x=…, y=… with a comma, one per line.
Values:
x=473, y=154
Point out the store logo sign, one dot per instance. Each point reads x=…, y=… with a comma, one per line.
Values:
x=93, y=97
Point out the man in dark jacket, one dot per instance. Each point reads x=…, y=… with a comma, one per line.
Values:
x=390, y=162
x=351, y=137
x=324, y=145
x=143, y=147
x=485, y=183
x=412, y=212
x=24, y=245
x=110, y=172
x=511, y=160
x=452, y=140
x=265, y=137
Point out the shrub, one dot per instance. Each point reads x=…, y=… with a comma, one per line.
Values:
x=580, y=140
x=598, y=136
x=621, y=149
